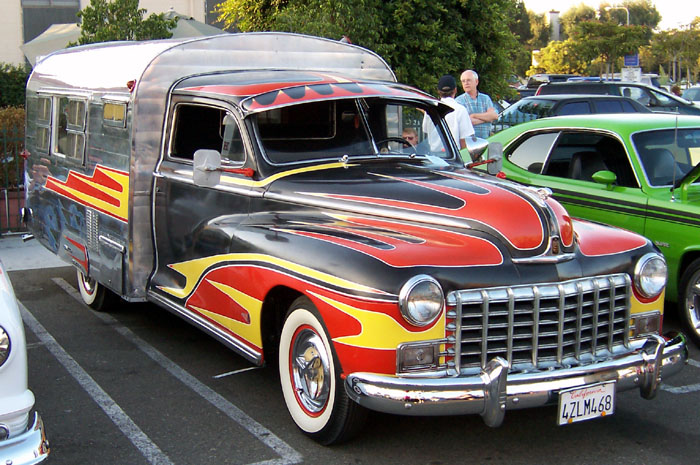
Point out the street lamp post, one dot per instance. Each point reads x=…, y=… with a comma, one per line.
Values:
x=608, y=8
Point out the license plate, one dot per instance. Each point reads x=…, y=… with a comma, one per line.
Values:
x=593, y=401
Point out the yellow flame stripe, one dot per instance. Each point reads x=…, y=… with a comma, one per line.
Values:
x=192, y=270
x=251, y=183
x=248, y=331
x=380, y=331
x=121, y=210
x=640, y=307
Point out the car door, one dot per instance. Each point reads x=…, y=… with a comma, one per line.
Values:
x=565, y=160
x=193, y=221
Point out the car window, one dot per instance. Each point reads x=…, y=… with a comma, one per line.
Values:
x=610, y=106
x=692, y=94
x=531, y=153
x=636, y=93
x=663, y=100
x=667, y=155
x=627, y=107
x=574, y=108
x=578, y=155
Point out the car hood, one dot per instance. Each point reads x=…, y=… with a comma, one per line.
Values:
x=465, y=204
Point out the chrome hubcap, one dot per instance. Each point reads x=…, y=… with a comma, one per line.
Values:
x=310, y=371
x=692, y=303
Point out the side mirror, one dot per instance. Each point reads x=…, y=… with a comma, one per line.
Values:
x=605, y=177
x=475, y=148
x=494, y=164
x=207, y=164
x=495, y=158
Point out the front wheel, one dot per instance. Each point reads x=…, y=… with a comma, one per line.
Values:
x=689, y=300
x=95, y=295
x=309, y=374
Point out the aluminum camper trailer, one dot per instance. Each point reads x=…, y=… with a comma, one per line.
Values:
x=118, y=94
x=261, y=187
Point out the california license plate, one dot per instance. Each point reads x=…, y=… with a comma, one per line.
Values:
x=593, y=401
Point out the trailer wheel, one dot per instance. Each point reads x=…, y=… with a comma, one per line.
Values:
x=309, y=374
x=94, y=294
x=689, y=300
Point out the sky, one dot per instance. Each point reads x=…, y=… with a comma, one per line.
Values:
x=674, y=13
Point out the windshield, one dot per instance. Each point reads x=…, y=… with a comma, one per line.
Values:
x=331, y=129
x=667, y=156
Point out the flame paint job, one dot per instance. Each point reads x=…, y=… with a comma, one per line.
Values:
x=595, y=240
x=402, y=245
x=520, y=226
x=231, y=295
x=107, y=190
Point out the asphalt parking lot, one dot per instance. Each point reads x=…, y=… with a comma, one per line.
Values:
x=140, y=386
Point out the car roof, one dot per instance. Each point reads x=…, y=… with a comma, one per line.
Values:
x=574, y=96
x=622, y=123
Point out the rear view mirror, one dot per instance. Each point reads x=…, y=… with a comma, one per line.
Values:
x=475, y=148
x=207, y=163
x=495, y=158
x=494, y=164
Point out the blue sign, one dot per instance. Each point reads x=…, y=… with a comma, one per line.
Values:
x=632, y=60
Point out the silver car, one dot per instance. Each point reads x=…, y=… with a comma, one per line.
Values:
x=22, y=437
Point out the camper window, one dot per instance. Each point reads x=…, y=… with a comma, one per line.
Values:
x=70, y=128
x=114, y=114
x=203, y=127
x=43, y=121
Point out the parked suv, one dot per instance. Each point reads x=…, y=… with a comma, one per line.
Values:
x=657, y=100
x=530, y=108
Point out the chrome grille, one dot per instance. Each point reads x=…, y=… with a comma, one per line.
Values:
x=92, y=227
x=538, y=325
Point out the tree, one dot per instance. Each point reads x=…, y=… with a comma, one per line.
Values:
x=420, y=39
x=559, y=57
x=607, y=41
x=105, y=20
x=573, y=16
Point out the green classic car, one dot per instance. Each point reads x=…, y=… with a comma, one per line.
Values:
x=638, y=172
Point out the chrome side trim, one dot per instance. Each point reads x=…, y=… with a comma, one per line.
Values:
x=112, y=243
x=493, y=391
x=565, y=257
x=222, y=336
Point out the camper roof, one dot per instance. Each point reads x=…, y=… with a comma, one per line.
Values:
x=110, y=66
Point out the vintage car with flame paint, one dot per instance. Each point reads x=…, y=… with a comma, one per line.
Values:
x=258, y=185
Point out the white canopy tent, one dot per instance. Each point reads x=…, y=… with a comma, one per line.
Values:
x=58, y=36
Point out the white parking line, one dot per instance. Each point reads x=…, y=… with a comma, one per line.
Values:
x=138, y=438
x=695, y=363
x=288, y=455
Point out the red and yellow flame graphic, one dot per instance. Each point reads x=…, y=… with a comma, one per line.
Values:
x=107, y=190
x=229, y=290
x=520, y=225
x=596, y=240
x=403, y=245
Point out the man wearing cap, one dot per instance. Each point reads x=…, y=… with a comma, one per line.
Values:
x=457, y=120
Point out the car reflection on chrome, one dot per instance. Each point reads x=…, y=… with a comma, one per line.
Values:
x=22, y=437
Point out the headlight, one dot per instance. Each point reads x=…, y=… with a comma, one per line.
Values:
x=4, y=345
x=421, y=300
x=650, y=275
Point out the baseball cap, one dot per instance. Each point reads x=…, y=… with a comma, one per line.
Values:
x=447, y=83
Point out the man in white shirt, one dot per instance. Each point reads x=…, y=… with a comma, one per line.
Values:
x=457, y=120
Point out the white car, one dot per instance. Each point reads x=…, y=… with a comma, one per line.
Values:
x=22, y=439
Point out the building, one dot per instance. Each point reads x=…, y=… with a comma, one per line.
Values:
x=23, y=20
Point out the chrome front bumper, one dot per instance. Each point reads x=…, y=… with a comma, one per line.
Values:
x=28, y=448
x=493, y=391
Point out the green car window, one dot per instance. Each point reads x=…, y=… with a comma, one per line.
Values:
x=532, y=152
